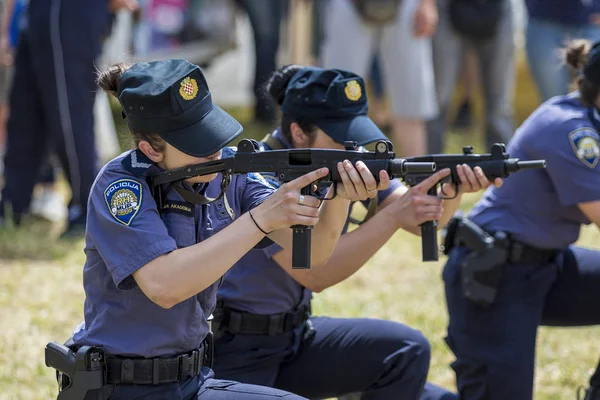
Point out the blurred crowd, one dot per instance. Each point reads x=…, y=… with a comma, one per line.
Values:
x=413, y=53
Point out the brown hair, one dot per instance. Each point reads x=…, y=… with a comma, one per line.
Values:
x=108, y=80
x=276, y=86
x=575, y=55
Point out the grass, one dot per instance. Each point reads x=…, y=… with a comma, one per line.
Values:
x=41, y=299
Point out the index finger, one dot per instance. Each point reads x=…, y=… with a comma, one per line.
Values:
x=432, y=180
x=307, y=179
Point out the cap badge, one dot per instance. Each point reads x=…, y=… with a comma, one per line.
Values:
x=188, y=88
x=353, y=91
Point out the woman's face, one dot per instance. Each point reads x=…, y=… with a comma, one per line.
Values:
x=173, y=159
x=318, y=140
x=324, y=141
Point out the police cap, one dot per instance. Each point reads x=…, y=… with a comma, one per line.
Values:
x=172, y=98
x=335, y=101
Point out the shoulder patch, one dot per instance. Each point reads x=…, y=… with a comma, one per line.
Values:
x=584, y=142
x=123, y=198
x=256, y=177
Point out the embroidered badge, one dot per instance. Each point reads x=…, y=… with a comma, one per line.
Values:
x=124, y=198
x=353, y=91
x=584, y=142
x=256, y=177
x=188, y=88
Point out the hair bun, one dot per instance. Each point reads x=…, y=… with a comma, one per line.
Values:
x=108, y=80
x=279, y=81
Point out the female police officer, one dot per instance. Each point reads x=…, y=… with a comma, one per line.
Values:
x=261, y=321
x=151, y=275
x=540, y=278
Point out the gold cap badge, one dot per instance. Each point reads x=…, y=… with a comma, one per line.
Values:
x=188, y=88
x=353, y=91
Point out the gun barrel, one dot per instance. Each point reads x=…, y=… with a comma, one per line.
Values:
x=400, y=167
x=531, y=164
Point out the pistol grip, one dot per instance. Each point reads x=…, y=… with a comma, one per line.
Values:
x=301, y=239
x=429, y=238
x=301, y=246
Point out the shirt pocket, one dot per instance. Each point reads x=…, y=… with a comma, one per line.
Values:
x=181, y=228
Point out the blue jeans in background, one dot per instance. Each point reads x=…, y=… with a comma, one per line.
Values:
x=544, y=40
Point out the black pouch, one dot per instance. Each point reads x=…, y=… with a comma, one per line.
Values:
x=449, y=234
x=476, y=19
x=378, y=12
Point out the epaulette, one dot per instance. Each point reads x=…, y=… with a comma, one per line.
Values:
x=137, y=163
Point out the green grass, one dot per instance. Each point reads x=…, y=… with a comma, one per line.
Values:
x=41, y=299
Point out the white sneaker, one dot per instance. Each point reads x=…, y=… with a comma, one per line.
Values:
x=48, y=204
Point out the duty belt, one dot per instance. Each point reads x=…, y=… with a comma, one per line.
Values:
x=238, y=322
x=157, y=371
x=154, y=371
x=516, y=252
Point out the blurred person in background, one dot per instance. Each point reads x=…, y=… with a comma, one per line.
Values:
x=379, y=106
x=52, y=102
x=550, y=24
x=487, y=28
x=265, y=18
x=400, y=31
x=47, y=203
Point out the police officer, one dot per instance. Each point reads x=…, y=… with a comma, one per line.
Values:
x=265, y=334
x=513, y=266
x=151, y=274
x=52, y=101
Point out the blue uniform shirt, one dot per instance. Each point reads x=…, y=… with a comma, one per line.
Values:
x=125, y=231
x=563, y=11
x=539, y=207
x=257, y=283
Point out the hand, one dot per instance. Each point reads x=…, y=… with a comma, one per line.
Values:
x=470, y=181
x=426, y=19
x=116, y=5
x=287, y=207
x=358, y=183
x=415, y=206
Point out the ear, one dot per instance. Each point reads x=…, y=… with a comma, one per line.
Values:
x=299, y=138
x=149, y=151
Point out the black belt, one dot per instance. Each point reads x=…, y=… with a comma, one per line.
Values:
x=238, y=322
x=155, y=371
x=522, y=253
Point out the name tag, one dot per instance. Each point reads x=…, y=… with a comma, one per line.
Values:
x=178, y=207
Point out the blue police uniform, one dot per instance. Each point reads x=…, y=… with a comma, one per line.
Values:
x=264, y=333
x=548, y=281
x=52, y=100
x=126, y=230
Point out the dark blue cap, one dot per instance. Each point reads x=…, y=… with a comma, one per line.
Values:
x=171, y=98
x=591, y=69
x=335, y=101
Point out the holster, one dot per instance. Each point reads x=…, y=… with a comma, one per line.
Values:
x=482, y=269
x=80, y=372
